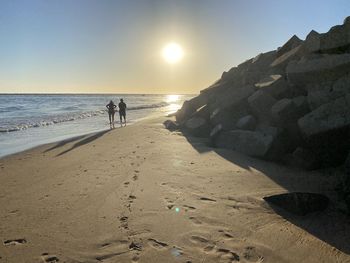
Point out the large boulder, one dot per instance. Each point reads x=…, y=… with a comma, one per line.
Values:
x=231, y=97
x=293, y=42
x=260, y=103
x=197, y=126
x=305, y=159
x=275, y=85
x=336, y=40
x=246, y=123
x=228, y=117
x=292, y=55
x=171, y=125
x=287, y=111
x=312, y=43
x=326, y=68
x=256, y=68
x=328, y=117
x=252, y=143
x=214, y=133
x=230, y=105
x=202, y=112
x=326, y=130
x=321, y=93
x=190, y=106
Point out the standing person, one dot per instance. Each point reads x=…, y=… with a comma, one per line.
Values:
x=111, y=110
x=122, y=111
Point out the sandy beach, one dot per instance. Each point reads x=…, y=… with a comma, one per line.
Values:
x=144, y=194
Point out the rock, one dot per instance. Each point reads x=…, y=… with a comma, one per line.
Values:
x=302, y=105
x=252, y=143
x=336, y=40
x=263, y=60
x=345, y=187
x=275, y=85
x=299, y=203
x=228, y=117
x=260, y=103
x=282, y=111
x=319, y=94
x=171, y=125
x=305, y=159
x=281, y=144
x=326, y=130
x=214, y=133
x=232, y=97
x=231, y=74
x=287, y=111
x=246, y=123
x=256, y=68
x=328, y=117
x=293, y=55
x=189, y=107
x=312, y=42
x=330, y=67
x=202, y=112
x=197, y=126
x=229, y=106
x=293, y=42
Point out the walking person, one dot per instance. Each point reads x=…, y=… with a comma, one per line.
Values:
x=122, y=111
x=111, y=110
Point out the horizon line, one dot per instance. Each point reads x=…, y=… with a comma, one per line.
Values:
x=91, y=93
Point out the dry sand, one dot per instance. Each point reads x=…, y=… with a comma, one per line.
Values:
x=144, y=194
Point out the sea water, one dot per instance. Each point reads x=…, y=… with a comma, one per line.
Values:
x=29, y=120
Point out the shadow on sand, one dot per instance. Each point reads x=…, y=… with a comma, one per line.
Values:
x=81, y=140
x=329, y=226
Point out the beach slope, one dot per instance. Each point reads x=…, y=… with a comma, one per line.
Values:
x=144, y=194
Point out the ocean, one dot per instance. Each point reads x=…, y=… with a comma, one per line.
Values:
x=29, y=120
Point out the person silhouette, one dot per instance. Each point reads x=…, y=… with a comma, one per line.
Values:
x=122, y=111
x=111, y=110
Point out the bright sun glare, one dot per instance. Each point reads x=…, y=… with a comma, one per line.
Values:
x=172, y=53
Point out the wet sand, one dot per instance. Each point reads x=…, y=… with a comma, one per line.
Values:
x=144, y=194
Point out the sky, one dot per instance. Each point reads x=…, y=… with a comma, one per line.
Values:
x=105, y=46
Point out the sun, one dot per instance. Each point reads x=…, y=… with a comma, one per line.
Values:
x=172, y=53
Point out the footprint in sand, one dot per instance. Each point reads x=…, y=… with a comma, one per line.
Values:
x=157, y=244
x=135, y=177
x=13, y=242
x=227, y=255
x=132, y=197
x=199, y=240
x=14, y=212
x=189, y=207
x=135, y=258
x=49, y=258
x=107, y=256
x=124, y=222
x=195, y=220
x=115, y=243
x=207, y=199
x=251, y=255
x=170, y=206
x=226, y=234
x=109, y=249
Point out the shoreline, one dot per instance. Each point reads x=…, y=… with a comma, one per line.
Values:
x=57, y=140
x=144, y=194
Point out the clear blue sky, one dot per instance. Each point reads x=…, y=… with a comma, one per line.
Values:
x=114, y=46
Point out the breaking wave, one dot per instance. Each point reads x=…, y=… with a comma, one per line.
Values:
x=24, y=124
